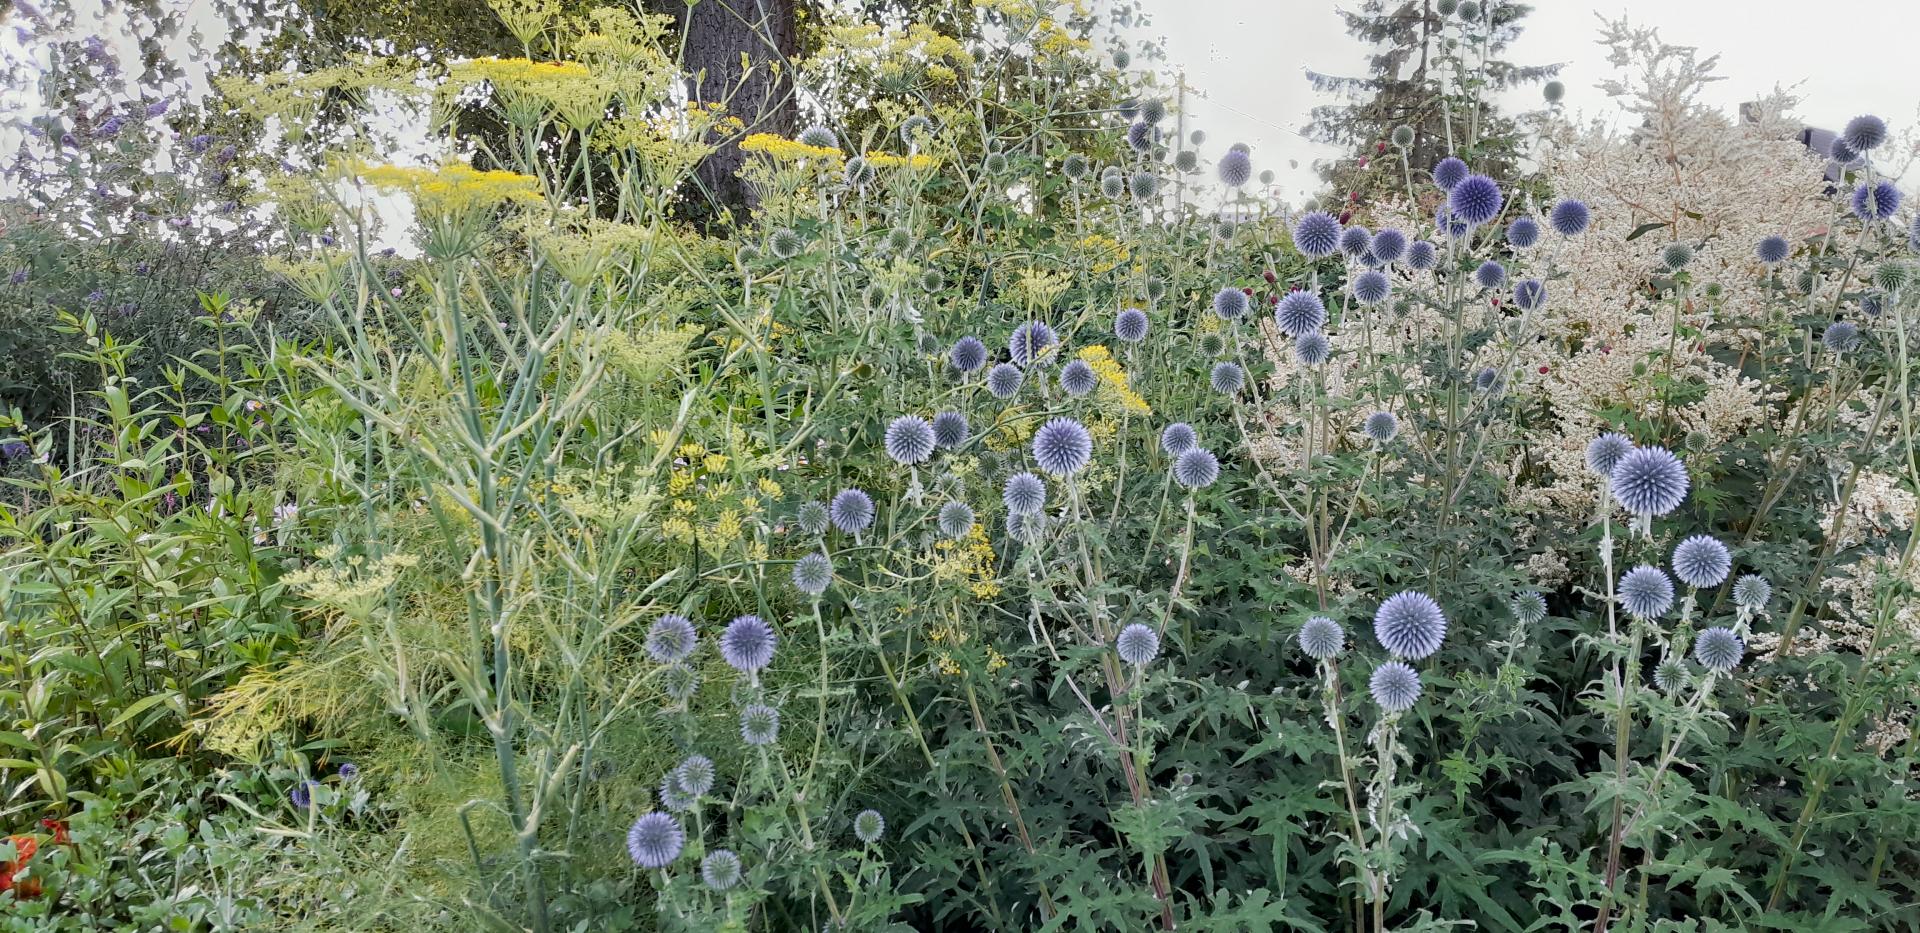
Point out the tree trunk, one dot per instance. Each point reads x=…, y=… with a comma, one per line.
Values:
x=722, y=35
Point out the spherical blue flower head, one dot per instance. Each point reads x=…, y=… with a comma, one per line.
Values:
x=1649, y=481
x=1701, y=561
x=1645, y=592
x=950, y=429
x=1570, y=217
x=1450, y=226
x=1670, y=676
x=695, y=775
x=747, y=644
x=1130, y=326
x=1840, y=336
x=1528, y=608
x=968, y=354
x=1490, y=274
x=1113, y=186
x=812, y=574
x=1236, y=168
x=1718, y=649
x=1913, y=234
x=1311, y=349
x=1772, y=249
x=349, y=772
x=679, y=681
x=1381, y=426
x=812, y=517
x=869, y=826
x=1300, y=312
x=1029, y=340
x=1752, y=591
x=1026, y=528
x=1449, y=172
x=1846, y=156
x=1876, y=201
x=1388, y=246
x=851, y=510
x=720, y=870
x=1371, y=288
x=1227, y=378
x=1078, y=378
x=655, y=840
x=1177, y=438
x=1422, y=255
x=1606, y=451
x=1137, y=644
x=1229, y=303
x=759, y=725
x=956, y=519
x=1322, y=638
x=1355, y=240
x=1140, y=137
x=672, y=797
x=671, y=639
x=1523, y=232
x=1865, y=133
x=1395, y=686
x=1196, y=468
x=1024, y=494
x=1487, y=379
x=1872, y=304
x=1410, y=624
x=1530, y=294
x=1062, y=447
x=909, y=440
x=301, y=796
x=1004, y=379
x=1476, y=199
x=1316, y=235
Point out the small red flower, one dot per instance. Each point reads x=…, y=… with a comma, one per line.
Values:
x=1269, y=276
x=1379, y=147
x=1543, y=370
x=1363, y=162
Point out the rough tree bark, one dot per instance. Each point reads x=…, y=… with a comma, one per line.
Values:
x=721, y=35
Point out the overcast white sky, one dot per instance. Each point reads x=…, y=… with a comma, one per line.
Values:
x=1250, y=57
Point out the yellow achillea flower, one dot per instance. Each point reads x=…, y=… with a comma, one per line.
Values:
x=1114, y=389
x=782, y=149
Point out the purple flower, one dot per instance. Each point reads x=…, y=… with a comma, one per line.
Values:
x=1475, y=200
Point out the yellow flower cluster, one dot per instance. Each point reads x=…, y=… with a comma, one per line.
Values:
x=1114, y=390
x=354, y=588
x=917, y=162
x=1104, y=253
x=782, y=149
x=1042, y=288
x=967, y=563
x=517, y=72
x=454, y=188
x=710, y=509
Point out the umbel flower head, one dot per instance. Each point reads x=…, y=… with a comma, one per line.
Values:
x=1752, y=591
x=1316, y=235
x=1004, y=379
x=759, y=724
x=1570, y=217
x=1410, y=624
x=1875, y=200
x=1300, y=312
x=1029, y=340
x=1371, y=287
x=1177, y=438
x=1422, y=256
x=1130, y=326
x=956, y=519
x=1449, y=172
x=1388, y=246
x=1381, y=426
x=1137, y=644
x=812, y=574
x=720, y=870
x=909, y=440
x=968, y=354
x=1227, y=378
x=1196, y=468
x=1649, y=481
x=1322, y=638
x=1024, y=494
x=1062, y=447
x=1528, y=607
x=1530, y=294
x=851, y=511
x=1523, y=232
x=1355, y=241
x=1606, y=451
x=1395, y=686
x=655, y=840
x=1229, y=303
x=1772, y=249
x=869, y=826
x=1865, y=133
x=1311, y=349
x=1476, y=199
x=1645, y=592
x=671, y=639
x=1236, y=168
x=747, y=644
x=950, y=429
x=1701, y=561
x=1078, y=378
x=1718, y=649
x=1490, y=274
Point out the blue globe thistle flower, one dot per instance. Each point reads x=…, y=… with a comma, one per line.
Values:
x=1670, y=676
x=1078, y=378
x=1570, y=217
x=950, y=429
x=720, y=870
x=301, y=796
x=1024, y=494
x=655, y=840
x=1229, y=303
x=1300, y=312
x=812, y=574
x=955, y=519
x=1476, y=199
x=348, y=772
x=1449, y=172
x=1410, y=624
x=1131, y=325
x=968, y=354
x=1530, y=294
x=672, y=797
x=909, y=440
x=747, y=644
x=1840, y=336
x=1528, y=607
x=1004, y=379
x=1388, y=246
x=1311, y=349
x=1113, y=186
x=1676, y=256
x=679, y=681
x=1371, y=288
x=851, y=510
x=1876, y=201
x=671, y=639
x=1196, y=468
x=1450, y=226
x=1143, y=185
x=1487, y=379
x=1236, y=168
x=1177, y=438
x=1872, y=304
x=1062, y=447
x=1381, y=426
x=759, y=725
x=1355, y=240
x=1026, y=528
x=1523, y=232
x=1865, y=133
x=812, y=518
x=1606, y=451
x=1422, y=255
x=1227, y=378
x=1649, y=481
x=1322, y=638
x=1752, y=591
x=1718, y=649
x=695, y=774
x=1316, y=235
x=1140, y=137
x=1772, y=249
x=869, y=826
x=1645, y=591
x=1490, y=274
x=1395, y=687
x=1137, y=644
x=1701, y=561
x=1843, y=154
x=1029, y=340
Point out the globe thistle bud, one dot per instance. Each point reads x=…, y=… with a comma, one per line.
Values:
x=914, y=127
x=1137, y=645
x=995, y=163
x=1469, y=10
x=812, y=518
x=1266, y=177
x=695, y=775
x=1299, y=313
x=955, y=519
x=1121, y=59
x=1490, y=274
x=1077, y=378
x=1186, y=161
x=869, y=826
x=1113, y=186
x=1143, y=185
x=1130, y=326
x=1062, y=447
x=1227, y=378
x=1229, y=303
x=1570, y=218
x=1235, y=168
x=851, y=510
x=899, y=240
x=1671, y=677
x=1645, y=592
x=1322, y=638
x=1701, y=561
x=909, y=440
x=932, y=281
x=1752, y=591
x=812, y=574
x=759, y=725
x=1528, y=608
x=1074, y=166
x=1177, y=438
x=1024, y=494
x=1874, y=201
x=720, y=870
x=679, y=682
x=1893, y=275
x=1196, y=468
x=1422, y=256
x=1718, y=649
x=818, y=137
x=785, y=244
x=1865, y=133
x=1197, y=137
x=1772, y=250
x=1403, y=136
x=1316, y=235
x=968, y=354
x=1311, y=349
x=1394, y=686
x=1676, y=256
x=1156, y=288
x=1446, y=7
x=1410, y=624
x=1212, y=344
x=1649, y=481
x=1487, y=380
x=1381, y=426
x=1554, y=91
x=1449, y=172
x=859, y=172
